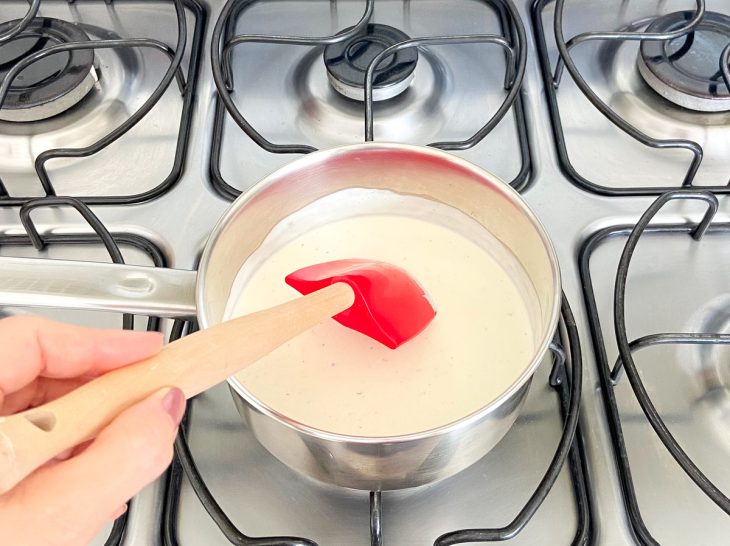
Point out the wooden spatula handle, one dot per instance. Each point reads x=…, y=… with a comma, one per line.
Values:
x=193, y=364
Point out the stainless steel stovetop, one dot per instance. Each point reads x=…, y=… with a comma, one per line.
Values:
x=160, y=188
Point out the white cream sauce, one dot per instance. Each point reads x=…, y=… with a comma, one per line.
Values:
x=335, y=379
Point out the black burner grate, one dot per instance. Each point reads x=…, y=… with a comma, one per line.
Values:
x=552, y=82
x=610, y=376
x=512, y=41
x=186, y=84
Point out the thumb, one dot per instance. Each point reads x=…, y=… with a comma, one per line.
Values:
x=67, y=503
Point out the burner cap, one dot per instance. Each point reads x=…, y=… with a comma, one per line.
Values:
x=686, y=70
x=52, y=85
x=347, y=62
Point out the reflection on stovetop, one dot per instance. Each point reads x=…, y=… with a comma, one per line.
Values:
x=108, y=124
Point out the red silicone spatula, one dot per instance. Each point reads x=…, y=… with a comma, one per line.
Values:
x=377, y=299
x=390, y=306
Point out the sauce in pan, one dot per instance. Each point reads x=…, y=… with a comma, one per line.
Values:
x=338, y=380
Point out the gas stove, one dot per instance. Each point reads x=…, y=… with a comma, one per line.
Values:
x=610, y=118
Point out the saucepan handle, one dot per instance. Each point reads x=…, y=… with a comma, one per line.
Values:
x=150, y=291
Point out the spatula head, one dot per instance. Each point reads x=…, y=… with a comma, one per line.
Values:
x=390, y=306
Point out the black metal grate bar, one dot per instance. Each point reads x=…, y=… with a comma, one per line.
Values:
x=223, y=188
x=516, y=62
x=376, y=520
x=509, y=82
x=610, y=376
x=667, y=339
x=552, y=81
x=186, y=84
x=642, y=395
x=23, y=23
x=725, y=66
x=513, y=42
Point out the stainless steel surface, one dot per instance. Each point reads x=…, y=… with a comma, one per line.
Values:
x=261, y=495
x=601, y=152
x=150, y=291
x=392, y=179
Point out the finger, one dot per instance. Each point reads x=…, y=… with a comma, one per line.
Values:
x=33, y=346
x=72, y=452
x=37, y=392
x=78, y=496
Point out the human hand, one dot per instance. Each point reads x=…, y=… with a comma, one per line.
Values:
x=68, y=500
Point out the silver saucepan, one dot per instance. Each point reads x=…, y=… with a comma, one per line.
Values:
x=340, y=177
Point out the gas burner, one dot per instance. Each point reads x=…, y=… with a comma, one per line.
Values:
x=686, y=70
x=51, y=85
x=347, y=62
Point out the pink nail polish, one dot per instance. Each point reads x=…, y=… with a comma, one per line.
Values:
x=174, y=404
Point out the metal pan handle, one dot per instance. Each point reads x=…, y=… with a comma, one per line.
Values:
x=151, y=291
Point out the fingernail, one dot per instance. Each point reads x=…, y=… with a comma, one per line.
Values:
x=174, y=404
x=119, y=511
